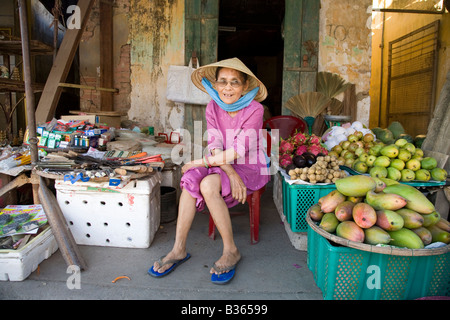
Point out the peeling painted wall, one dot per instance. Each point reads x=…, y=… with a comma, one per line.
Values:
x=152, y=34
x=157, y=41
x=90, y=59
x=148, y=37
x=345, y=46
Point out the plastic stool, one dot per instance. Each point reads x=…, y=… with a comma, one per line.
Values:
x=254, y=213
x=336, y=120
x=287, y=125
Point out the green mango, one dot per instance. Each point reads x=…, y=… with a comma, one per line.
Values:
x=405, y=238
x=428, y=163
x=329, y=222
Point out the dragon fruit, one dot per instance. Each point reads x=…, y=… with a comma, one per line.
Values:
x=314, y=149
x=286, y=146
x=299, y=138
x=313, y=139
x=285, y=160
x=301, y=150
x=323, y=150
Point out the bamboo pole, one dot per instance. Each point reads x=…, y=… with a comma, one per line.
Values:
x=79, y=86
x=41, y=193
x=31, y=120
x=29, y=94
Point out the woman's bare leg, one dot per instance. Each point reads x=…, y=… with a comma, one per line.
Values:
x=186, y=214
x=210, y=188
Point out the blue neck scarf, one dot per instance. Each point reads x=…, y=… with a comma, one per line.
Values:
x=243, y=101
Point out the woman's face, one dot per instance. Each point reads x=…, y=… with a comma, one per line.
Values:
x=230, y=85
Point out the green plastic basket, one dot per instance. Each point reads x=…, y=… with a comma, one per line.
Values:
x=344, y=273
x=298, y=198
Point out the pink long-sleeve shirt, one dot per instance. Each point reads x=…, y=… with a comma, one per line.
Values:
x=242, y=133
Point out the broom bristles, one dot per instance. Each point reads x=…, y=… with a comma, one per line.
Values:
x=308, y=104
x=331, y=84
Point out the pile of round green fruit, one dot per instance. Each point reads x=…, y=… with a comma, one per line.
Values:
x=380, y=211
x=400, y=161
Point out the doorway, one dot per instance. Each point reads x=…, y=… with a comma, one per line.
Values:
x=252, y=30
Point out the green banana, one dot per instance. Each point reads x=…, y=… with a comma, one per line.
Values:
x=416, y=200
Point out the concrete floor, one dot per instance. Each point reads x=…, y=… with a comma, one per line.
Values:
x=270, y=270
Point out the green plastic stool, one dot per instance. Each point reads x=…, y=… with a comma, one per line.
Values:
x=336, y=121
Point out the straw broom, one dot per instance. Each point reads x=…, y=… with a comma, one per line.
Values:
x=330, y=84
x=308, y=104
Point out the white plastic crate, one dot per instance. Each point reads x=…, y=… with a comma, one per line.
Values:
x=17, y=265
x=101, y=215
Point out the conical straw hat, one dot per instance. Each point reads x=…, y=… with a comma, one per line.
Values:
x=209, y=72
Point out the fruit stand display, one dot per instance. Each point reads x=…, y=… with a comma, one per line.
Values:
x=370, y=239
x=307, y=173
x=378, y=154
x=372, y=234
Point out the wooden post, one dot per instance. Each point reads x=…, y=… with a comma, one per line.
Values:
x=301, y=36
x=106, y=56
x=29, y=94
x=201, y=37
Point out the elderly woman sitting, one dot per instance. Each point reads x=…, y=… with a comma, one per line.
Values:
x=234, y=167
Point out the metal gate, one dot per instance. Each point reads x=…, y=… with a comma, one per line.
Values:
x=412, y=78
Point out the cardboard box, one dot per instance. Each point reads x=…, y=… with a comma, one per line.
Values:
x=111, y=121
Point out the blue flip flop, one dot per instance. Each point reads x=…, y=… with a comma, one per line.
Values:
x=223, y=277
x=175, y=263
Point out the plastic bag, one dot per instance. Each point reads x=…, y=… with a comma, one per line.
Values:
x=180, y=87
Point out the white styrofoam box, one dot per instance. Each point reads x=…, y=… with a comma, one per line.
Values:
x=17, y=265
x=100, y=215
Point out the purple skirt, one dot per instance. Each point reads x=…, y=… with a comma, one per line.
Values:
x=191, y=182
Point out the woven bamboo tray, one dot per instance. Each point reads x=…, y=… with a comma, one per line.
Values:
x=391, y=250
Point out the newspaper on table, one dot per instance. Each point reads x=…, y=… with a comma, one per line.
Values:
x=21, y=219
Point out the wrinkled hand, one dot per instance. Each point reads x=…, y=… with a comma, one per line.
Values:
x=192, y=164
x=189, y=165
x=238, y=188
